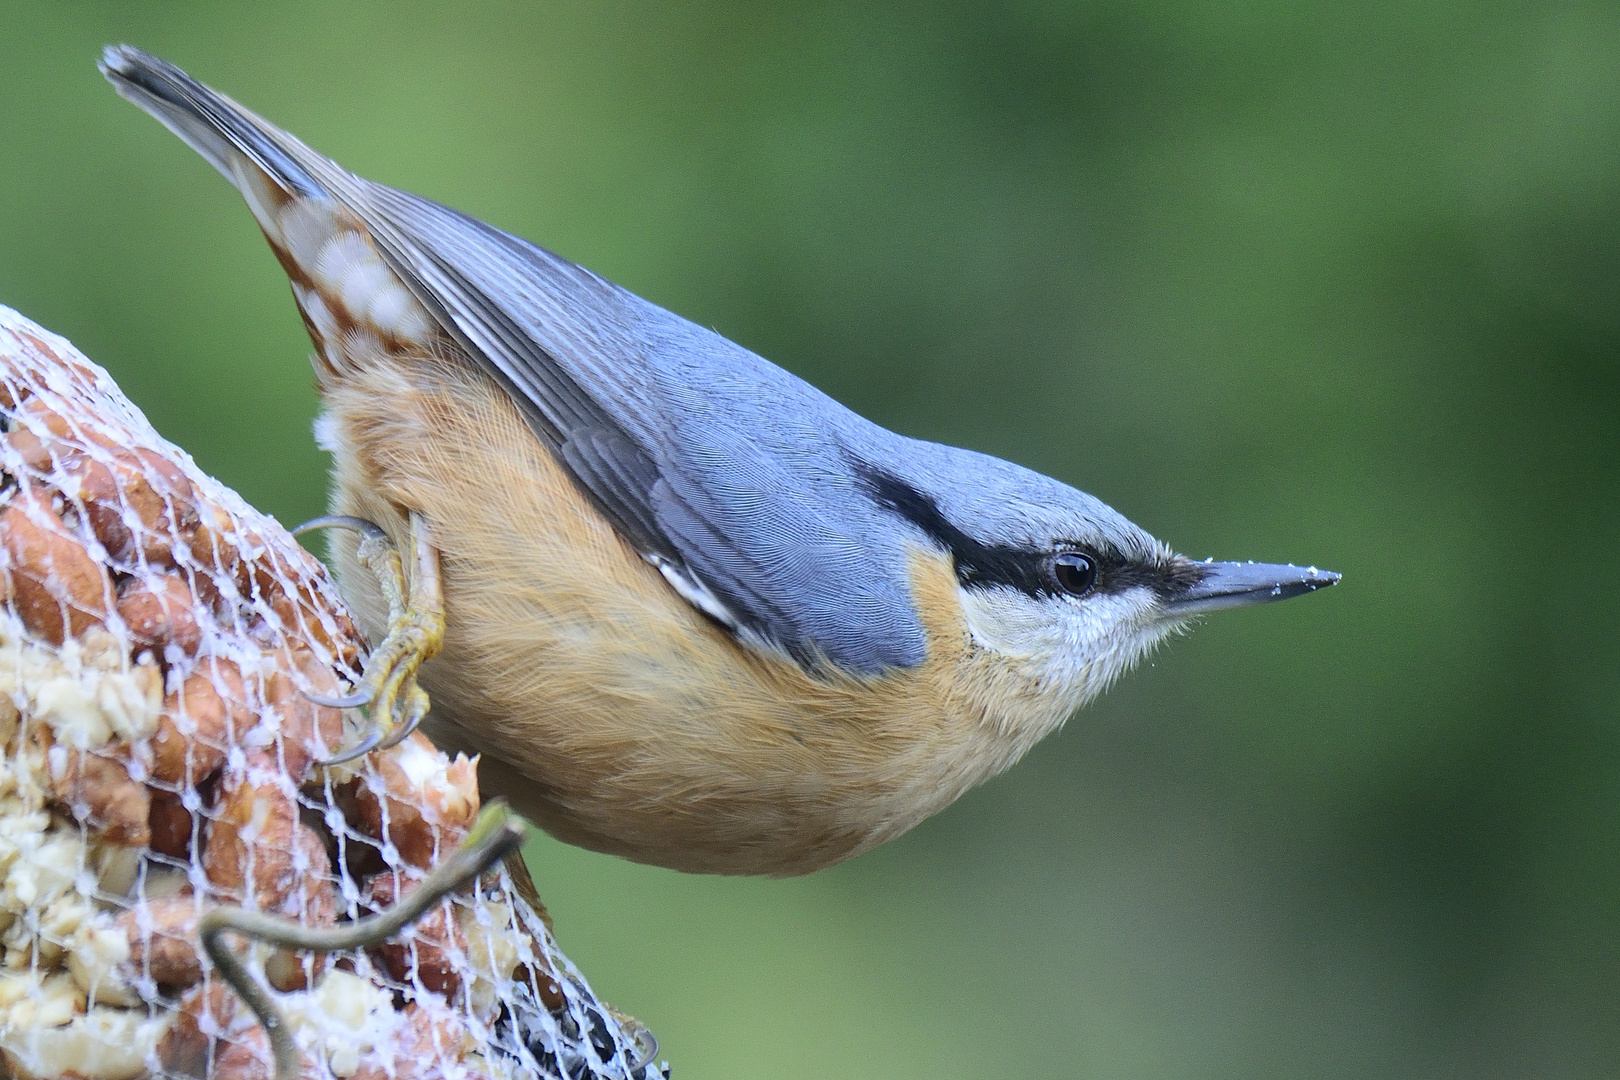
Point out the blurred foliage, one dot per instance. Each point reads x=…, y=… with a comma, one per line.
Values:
x=1333, y=283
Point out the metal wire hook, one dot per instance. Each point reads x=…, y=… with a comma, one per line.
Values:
x=496, y=832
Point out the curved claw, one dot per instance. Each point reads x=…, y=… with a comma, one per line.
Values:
x=380, y=737
x=372, y=741
x=646, y=1050
x=363, y=696
x=368, y=529
x=395, y=704
x=413, y=720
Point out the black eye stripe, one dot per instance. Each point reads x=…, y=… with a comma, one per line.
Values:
x=1029, y=571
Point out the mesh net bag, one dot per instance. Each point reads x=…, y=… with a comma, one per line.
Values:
x=161, y=758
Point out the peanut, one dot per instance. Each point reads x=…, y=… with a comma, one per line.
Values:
x=58, y=589
x=127, y=510
x=44, y=421
x=170, y=824
x=12, y=392
x=168, y=950
x=30, y=448
x=432, y=1044
x=159, y=610
x=97, y=788
x=433, y=950
x=309, y=732
x=200, y=722
x=247, y=1057
x=258, y=851
x=217, y=555
x=49, y=424
x=206, y=1010
x=312, y=903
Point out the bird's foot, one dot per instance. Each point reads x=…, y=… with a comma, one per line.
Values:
x=395, y=705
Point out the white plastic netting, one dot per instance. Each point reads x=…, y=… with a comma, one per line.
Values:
x=157, y=639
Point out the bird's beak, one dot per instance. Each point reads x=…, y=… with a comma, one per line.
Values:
x=1240, y=584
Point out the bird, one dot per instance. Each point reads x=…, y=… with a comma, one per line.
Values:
x=688, y=609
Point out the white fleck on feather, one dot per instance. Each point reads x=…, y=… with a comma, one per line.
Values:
x=362, y=348
x=693, y=591
x=326, y=433
x=338, y=257
x=306, y=226
x=361, y=285
x=395, y=312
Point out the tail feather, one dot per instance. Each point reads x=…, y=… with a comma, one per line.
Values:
x=219, y=129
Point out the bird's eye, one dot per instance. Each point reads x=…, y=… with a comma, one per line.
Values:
x=1076, y=573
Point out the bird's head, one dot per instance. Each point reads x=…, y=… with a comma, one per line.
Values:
x=1057, y=583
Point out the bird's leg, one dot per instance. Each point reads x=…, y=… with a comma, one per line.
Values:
x=415, y=632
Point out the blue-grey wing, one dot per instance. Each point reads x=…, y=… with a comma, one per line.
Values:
x=729, y=474
x=721, y=468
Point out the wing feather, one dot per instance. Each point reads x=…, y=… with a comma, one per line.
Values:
x=702, y=455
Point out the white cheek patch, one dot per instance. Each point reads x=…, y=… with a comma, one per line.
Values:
x=1008, y=622
x=1074, y=647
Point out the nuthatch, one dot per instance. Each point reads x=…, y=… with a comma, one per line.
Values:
x=691, y=610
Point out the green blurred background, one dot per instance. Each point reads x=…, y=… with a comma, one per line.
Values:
x=1332, y=283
